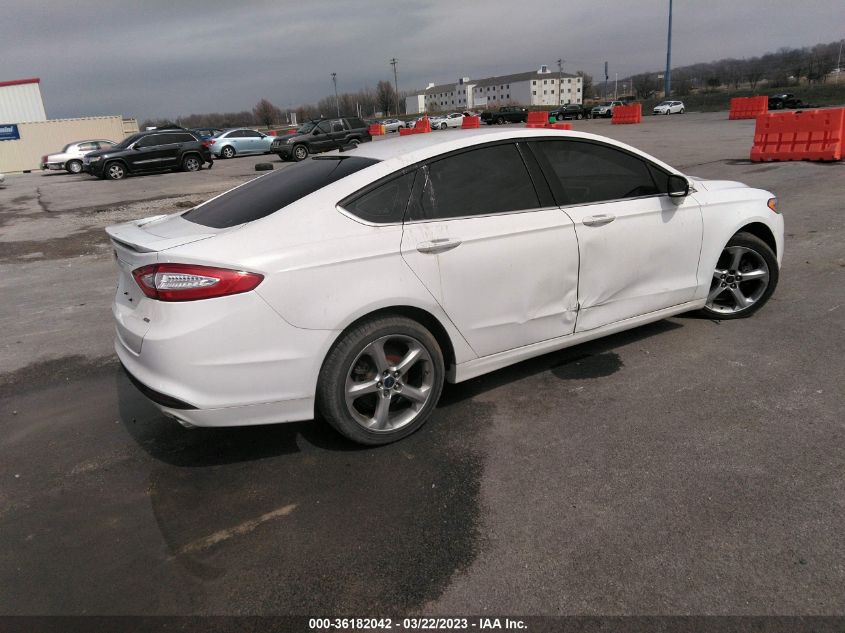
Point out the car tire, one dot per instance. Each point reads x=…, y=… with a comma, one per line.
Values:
x=370, y=355
x=579, y=116
x=681, y=111
x=227, y=152
x=191, y=162
x=666, y=113
x=114, y=171
x=74, y=166
x=500, y=121
x=300, y=152
x=442, y=126
x=734, y=293
x=354, y=142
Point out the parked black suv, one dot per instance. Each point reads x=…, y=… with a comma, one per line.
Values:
x=571, y=111
x=154, y=150
x=781, y=101
x=321, y=135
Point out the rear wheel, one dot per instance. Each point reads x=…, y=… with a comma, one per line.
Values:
x=745, y=277
x=74, y=166
x=191, y=163
x=227, y=152
x=115, y=171
x=381, y=381
x=500, y=121
x=579, y=116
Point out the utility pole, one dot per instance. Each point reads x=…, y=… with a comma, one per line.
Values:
x=605, y=81
x=336, y=101
x=560, y=63
x=667, y=78
x=839, y=62
x=393, y=63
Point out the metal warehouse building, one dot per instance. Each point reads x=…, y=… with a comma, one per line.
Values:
x=26, y=134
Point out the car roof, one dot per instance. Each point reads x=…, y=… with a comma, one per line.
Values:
x=413, y=148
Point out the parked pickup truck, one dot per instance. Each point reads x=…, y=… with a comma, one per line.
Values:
x=505, y=114
x=781, y=101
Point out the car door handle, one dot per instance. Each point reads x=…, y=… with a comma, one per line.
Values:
x=598, y=220
x=438, y=246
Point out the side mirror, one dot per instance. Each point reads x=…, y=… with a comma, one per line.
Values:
x=678, y=186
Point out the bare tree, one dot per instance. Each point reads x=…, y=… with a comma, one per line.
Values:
x=385, y=96
x=266, y=113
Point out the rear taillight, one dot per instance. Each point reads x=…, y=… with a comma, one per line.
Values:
x=208, y=143
x=187, y=282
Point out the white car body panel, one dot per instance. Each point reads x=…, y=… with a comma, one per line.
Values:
x=510, y=291
x=58, y=160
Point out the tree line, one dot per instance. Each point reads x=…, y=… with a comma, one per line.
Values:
x=784, y=68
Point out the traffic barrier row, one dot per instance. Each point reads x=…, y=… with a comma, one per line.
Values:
x=748, y=107
x=471, y=122
x=376, y=129
x=801, y=135
x=420, y=127
x=627, y=114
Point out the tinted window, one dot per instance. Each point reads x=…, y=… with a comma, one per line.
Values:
x=183, y=138
x=355, y=122
x=150, y=141
x=589, y=172
x=324, y=127
x=250, y=134
x=267, y=194
x=383, y=203
x=481, y=181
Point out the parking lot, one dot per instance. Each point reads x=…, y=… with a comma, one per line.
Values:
x=686, y=467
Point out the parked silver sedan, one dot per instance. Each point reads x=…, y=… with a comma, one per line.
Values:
x=230, y=143
x=392, y=125
x=70, y=158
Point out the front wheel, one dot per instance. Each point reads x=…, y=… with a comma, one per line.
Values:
x=500, y=121
x=381, y=381
x=579, y=116
x=745, y=277
x=115, y=171
x=682, y=111
x=300, y=152
x=442, y=126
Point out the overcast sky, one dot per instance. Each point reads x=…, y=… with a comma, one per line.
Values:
x=150, y=58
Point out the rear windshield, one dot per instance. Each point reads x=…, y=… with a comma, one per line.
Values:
x=263, y=196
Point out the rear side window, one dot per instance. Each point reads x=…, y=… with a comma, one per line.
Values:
x=385, y=202
x=355, y=123
x=478, y=182
x=582, y=173
x=150, y=141
x=267, y=194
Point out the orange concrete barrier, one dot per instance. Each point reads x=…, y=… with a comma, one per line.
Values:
x=422, y=126
x=406, y=131
x=748, y=107
x=539, y=118
x=560, y=125
x=801, y=135
x=627, y=114
x=375, y=129
x=471, y=122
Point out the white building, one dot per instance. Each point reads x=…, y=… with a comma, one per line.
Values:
x=541, y=87
x=20, y=101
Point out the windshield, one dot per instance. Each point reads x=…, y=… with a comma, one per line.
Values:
x=605, y=104
x=663, y=103
x=128, y=141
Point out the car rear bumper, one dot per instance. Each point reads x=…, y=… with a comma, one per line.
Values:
x=52, y=166
x=229, y=361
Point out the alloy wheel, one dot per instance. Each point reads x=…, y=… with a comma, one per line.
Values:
x=739, y=281
x=389, y=383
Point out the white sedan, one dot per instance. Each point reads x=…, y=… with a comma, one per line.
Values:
x=354, y=284
x=453, y=119
x=71, y=156
x=392, y=125
x=669, y=107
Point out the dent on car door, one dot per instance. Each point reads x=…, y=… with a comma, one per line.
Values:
x=639, y=248
x=502, y=266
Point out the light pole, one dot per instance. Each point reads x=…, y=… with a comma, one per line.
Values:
x=560, y=63
x=667, y=79
x=336, y=101
x=393, y=63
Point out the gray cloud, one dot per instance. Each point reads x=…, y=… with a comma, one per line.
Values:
x=156, y=59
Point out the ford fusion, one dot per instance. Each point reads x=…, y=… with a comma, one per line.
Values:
x=353, y=284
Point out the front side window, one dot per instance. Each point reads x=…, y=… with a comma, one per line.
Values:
x=482, y=181
x=584, y=172
x=150, y=141
x=324, y=127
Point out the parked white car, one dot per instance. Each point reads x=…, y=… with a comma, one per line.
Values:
x=70, y=158
x=2, y=180
x=356, y=283
x=453, y=119
x=669, y=107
